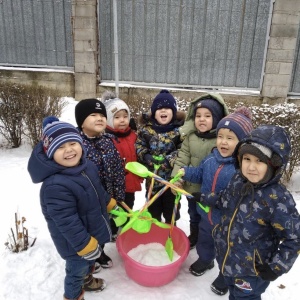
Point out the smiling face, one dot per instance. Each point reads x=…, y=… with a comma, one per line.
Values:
x=68, y=154
x=226, y=141
x=203, y=119
x=94, y=124
x=121, y=120
x=253, y=168
x=163, y=116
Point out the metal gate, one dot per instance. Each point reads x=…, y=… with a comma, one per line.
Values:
x=194, y=43
x=36, y=33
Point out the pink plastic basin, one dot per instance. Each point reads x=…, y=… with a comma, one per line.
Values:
x=152, y=276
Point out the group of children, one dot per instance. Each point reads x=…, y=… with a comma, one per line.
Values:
x=240, y=214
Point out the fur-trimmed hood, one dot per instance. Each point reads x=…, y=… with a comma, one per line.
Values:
x=146, y=118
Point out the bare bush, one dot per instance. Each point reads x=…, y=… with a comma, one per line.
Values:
x=11, y=111
x=42, y=102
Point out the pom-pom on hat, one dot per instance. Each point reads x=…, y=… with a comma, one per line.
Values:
x=113, y=105
x=240, y=122
x=164, y=100
x=56, y=133
x=86, y=107
x=214, y=106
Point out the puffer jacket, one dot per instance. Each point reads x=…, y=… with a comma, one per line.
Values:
x=163, y=140
x=194, y=148
x=125, y=144
x=259, y=222
x=103, y=153
x=73, y=203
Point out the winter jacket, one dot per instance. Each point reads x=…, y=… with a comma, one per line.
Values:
x=205, y=173
x=73, y=203
x=158, y=140
x=194, y=148
x=259, y=222
x=103, y=153
x=125, y=144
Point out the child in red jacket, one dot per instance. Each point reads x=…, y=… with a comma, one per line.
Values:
x=118, y=123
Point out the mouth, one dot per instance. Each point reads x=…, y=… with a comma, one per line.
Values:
x=70, y=157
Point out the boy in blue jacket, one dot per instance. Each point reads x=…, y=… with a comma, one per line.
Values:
x=258, y=237
x=74, y=204
x=214, y=173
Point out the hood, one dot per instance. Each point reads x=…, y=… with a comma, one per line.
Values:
x=276, y=139
x=189, y=125
x=40, y=166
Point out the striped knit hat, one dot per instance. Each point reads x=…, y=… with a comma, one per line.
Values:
x=56, y=133
x=239, y=122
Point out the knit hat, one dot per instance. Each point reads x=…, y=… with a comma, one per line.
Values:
x=239, y=122
x=164, y=100
x=56, y=133
x=264, y=154
x=86, y=107
x=214, y=106
x=113, y=106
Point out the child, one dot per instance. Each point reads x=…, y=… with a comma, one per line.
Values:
x=214, y=173
x=118, y=123
x=159, y=136
x=90, y=115
x=199, y=133
x=73, y=202
x=258, y=238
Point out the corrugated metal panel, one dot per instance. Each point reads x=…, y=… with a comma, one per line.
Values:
x=295, y=81
x=36, y=33
x=200, y=43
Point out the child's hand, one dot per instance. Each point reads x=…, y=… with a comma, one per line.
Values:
x=93, y=254
x=179, y=184
x=149, y=159
x=265, y=272
x=181, y=170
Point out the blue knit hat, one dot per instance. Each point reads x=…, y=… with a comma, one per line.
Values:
x=214, y=106
x=240, y=122
x=164, y=100
x=56, y=133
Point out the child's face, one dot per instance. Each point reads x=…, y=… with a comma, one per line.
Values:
x=94, y=124
x=253, y=168
x=68, y=154
x=121, y=120
x=226, y=142
x=203, y=119
x=164, y=116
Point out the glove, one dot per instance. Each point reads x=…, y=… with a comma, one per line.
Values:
x=119, y=219
x=179, y=184
x=165, y=164
x=149, y=159
x=196, y=197
x=93, y=255
x=265, y=272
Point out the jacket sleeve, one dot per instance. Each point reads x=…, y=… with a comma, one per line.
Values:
x=194, y=174
x=285, y=221
x=183, y=157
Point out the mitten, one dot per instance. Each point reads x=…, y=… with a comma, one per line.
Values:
x=265, y=272
x=196, y=197
x=93, y=255
x=165, y=164
x=149, y=159
x=91, y=251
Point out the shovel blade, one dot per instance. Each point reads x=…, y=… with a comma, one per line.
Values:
x=169, y=248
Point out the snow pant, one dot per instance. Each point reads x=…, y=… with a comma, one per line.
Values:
x=163, y=206
x=194, y=215
x=246, y=287
x=205, y=245
x=76, y=271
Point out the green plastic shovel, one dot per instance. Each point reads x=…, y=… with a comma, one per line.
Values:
x=169, y=243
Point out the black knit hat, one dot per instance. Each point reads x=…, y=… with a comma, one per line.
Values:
x=86, y=107
x=164, y=100
x=214, y=106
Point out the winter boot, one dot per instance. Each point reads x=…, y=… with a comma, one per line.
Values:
x=92, y=284
x=198, y=268
x=103, y=261
x=193, y=237
x=79, y=298
x=219, y=286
